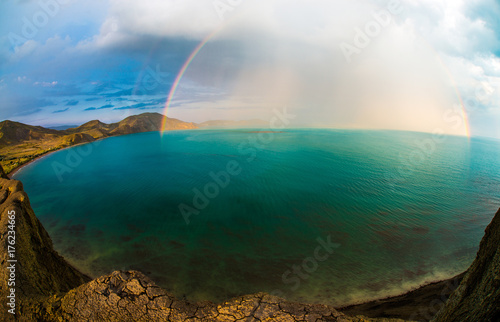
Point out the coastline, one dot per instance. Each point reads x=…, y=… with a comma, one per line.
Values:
x=419, y=303
x=41, y=142
x=416, y=299
x=16, y=170
x=19, y=168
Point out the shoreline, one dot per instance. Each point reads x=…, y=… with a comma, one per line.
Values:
x=427, y=287
x=419, y=303
x=40, y=157
x=415, y=304
x=19, y=168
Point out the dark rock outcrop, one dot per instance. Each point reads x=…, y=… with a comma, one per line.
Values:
x=478, y=296
x=39, y=270
x=2, y=174
x=421, y=304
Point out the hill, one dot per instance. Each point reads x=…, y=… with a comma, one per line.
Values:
x=12, y=133
x=147, y=122
x=21, y=143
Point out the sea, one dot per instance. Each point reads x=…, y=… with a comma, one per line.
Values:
x=311, y=215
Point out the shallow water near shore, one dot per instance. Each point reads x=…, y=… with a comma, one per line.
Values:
x=399, y=208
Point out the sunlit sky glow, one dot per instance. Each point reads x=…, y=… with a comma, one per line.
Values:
x=68, y=62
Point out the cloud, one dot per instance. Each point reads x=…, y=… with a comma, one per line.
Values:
x=125, y=92
x=106, y=106
x=141, y=106
x=21, y=79
x=24, y=50
x=261, y=54
x=61, y=111
x=99, y=108
x=129, y=21
x=46, y=84
x=72, y=103
x=27, y=112
x=146, y=104
x=20, y=106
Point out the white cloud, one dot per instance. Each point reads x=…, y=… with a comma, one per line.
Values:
x=291, y=53
x=24, y=50
x=194, y=19
x=287, y=51
x=20, y=79
x=46, y=84
x=465, y=43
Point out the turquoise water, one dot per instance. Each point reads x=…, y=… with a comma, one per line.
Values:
x=398, y=209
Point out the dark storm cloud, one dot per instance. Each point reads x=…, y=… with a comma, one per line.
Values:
x=61, y=111
x=72, y=103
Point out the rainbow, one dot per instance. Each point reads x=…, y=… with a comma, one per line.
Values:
x=459, y=96
x=454, y=83
x=183, y=69
x=200, y=46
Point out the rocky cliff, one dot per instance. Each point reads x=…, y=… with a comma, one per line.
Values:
x=30, y=268
x=420, y=304
x=477, y=298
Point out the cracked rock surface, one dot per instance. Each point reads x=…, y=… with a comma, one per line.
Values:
x=131, y=296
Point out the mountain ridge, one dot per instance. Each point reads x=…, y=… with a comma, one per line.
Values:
x=21, y=143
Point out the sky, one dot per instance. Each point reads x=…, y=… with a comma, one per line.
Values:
x=426, y=65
